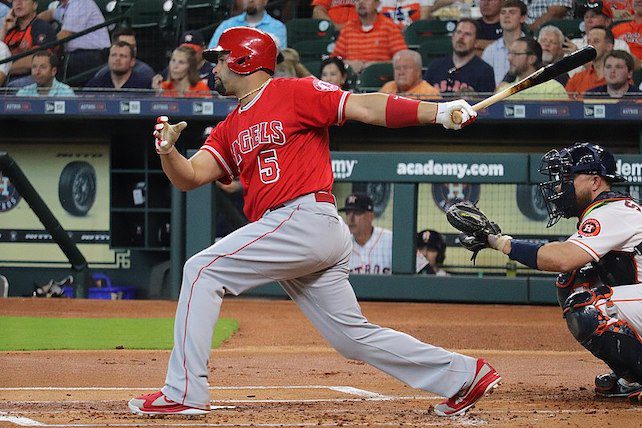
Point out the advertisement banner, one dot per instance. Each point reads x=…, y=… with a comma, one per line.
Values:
x=73, y=180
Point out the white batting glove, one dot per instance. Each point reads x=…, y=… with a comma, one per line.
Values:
x=498, y=242
x=445, y=114
x=166, y=135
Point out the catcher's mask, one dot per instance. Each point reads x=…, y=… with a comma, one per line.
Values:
x=561, y=166
x=248, y=50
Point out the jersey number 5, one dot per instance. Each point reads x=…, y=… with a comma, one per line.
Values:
x=269, y=170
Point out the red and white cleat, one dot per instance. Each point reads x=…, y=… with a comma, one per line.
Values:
x=158, y=404
x=486, y=379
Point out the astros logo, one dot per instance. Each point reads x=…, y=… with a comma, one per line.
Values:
x=9, y=196
x=590, y=227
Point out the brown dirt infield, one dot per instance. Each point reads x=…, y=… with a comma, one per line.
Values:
x=278, y=371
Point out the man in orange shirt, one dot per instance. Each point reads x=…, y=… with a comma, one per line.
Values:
x=631, y=32
x=373, y=38
x=408, y=82
x=339, y=12
x=602, y=40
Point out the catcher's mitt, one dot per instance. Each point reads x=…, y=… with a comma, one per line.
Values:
x=473, y=225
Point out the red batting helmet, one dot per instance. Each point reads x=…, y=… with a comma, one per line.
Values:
x=248, y=50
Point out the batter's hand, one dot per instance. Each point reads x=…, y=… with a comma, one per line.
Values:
x=445, y=110
x=166, y=135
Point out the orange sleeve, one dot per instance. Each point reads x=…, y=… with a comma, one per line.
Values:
x=389, y=88
x=571, y=85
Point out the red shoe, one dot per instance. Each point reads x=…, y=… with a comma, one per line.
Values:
x=486, y=379
x=636, y=398
x=158, y=404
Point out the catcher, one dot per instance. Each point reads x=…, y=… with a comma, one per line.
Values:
x=599, y=289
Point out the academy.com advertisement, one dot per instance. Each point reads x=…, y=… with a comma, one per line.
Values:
x=73, y=181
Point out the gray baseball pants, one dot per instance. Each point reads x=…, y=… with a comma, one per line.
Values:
x=305, y=246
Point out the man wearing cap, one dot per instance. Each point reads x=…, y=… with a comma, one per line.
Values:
x=431, y=252
x=595, y=14
x=192, y=39
x=371, y=245
x=254, y=16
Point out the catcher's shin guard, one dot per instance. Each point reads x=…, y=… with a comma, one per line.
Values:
x=609, y=339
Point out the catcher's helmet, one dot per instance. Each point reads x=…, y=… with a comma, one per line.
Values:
x=249, y=50
x=561, y=166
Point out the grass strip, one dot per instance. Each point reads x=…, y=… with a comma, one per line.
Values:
x=36, y=333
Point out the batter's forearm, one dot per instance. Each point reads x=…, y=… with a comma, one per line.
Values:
x=179, y=170
x=371, y=109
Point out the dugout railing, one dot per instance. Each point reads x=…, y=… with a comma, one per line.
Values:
x=406, y=172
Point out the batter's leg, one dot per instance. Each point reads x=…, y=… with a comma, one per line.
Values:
x=281, y=245
x=327, y=299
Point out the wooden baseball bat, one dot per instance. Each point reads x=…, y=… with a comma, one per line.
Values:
x=544, y=74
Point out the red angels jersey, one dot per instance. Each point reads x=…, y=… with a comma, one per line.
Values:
x=278, y=143
x=610, y=225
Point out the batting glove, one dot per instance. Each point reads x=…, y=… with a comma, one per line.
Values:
x=445, y=114
x=166, y=135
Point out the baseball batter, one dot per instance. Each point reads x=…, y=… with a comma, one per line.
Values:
x=276, y=141
x=602, y=303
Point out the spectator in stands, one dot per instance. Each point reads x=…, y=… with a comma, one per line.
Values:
x=254, y=16
x=339, y=12
x=431, y=253
x=524, y=57
x=122, y=75
x=463, y=71
x=373, y=38
x=141, y=68
x=405, y=12
x=489, y=26
x=551, y=39
x=592, y=76
x=44, y=66
x=618, y=72
x=22, y=31
x=84, y=53
x=334, y=70
x=512, y=16
x=595, y=14
x=191, y=39
x=407, y=66
x=291, y=65
x=631, y=32
x=4, y=68
x=371, y=245
x=183, y=79
x=542, y=11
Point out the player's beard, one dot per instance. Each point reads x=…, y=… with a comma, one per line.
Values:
x=219, y=87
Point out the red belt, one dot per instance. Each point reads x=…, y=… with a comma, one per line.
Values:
x=321, y=196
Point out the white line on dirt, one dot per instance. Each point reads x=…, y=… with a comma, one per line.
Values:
x=359, y=392
x=19, y=420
